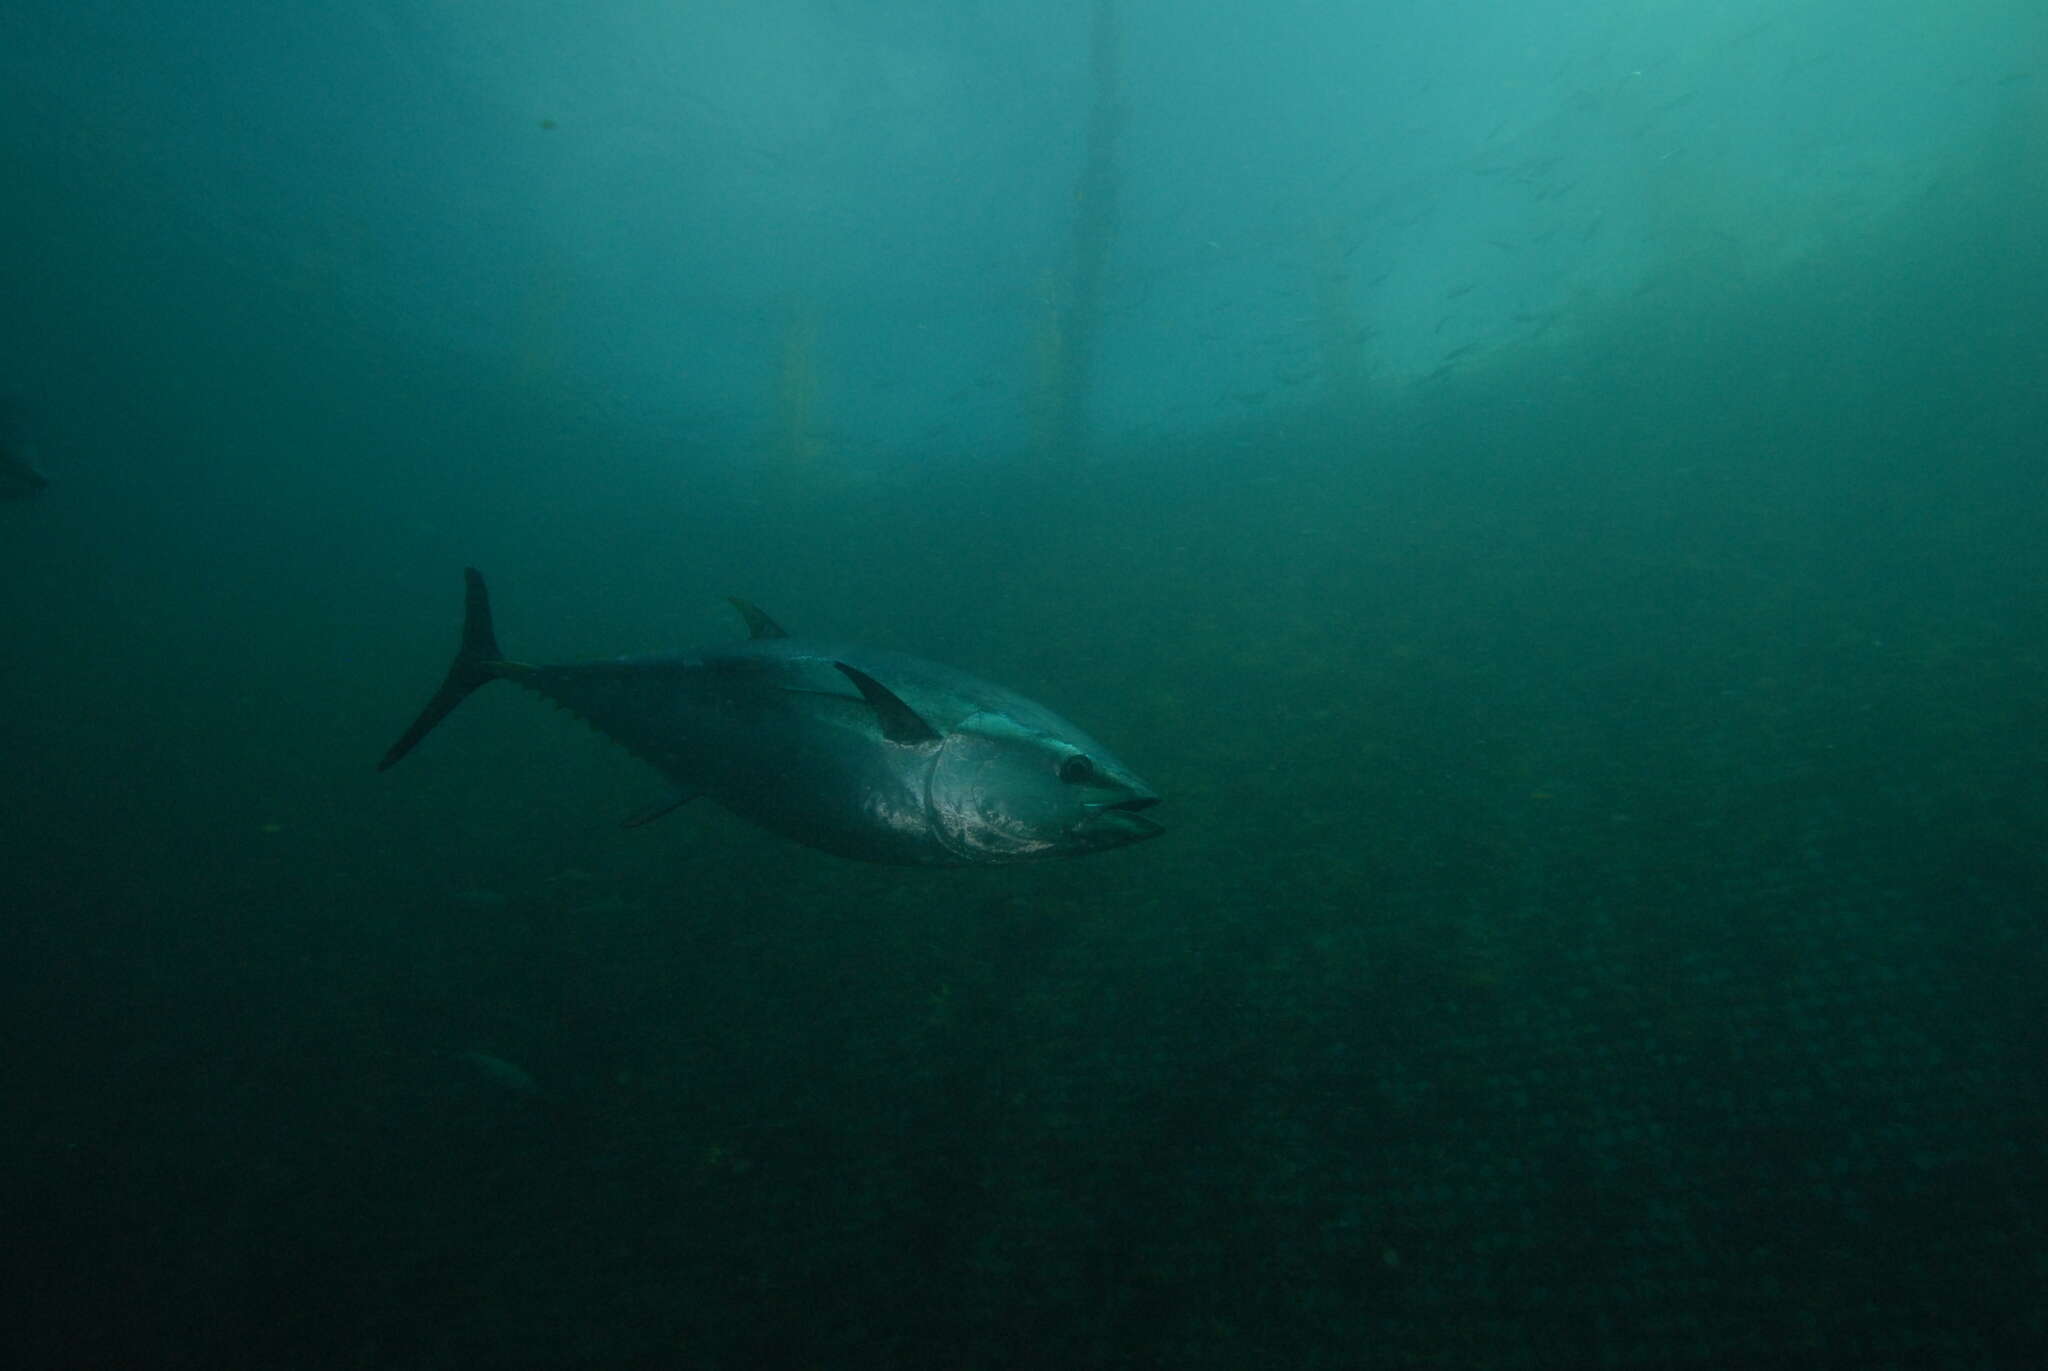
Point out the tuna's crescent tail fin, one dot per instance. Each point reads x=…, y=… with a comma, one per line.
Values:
x=477, y=662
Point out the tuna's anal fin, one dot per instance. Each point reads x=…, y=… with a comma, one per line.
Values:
x=759, y=625
x=477, y=662
x=900, y=723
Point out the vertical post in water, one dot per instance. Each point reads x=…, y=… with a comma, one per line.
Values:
x=1067, y=354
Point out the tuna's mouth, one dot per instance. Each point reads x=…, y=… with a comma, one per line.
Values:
x=1121, y=822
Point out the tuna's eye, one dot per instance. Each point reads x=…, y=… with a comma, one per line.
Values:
x=1077, y=770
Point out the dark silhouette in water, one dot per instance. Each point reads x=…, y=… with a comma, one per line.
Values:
x=18, y=479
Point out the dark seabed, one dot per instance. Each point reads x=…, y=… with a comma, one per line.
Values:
x=1600, y=922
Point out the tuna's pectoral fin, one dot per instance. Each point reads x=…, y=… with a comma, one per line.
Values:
x=900, y=723
x=667, y=804
x=759, y=625
x=477, y=662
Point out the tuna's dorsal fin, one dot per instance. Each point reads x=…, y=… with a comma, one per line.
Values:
x=900, y=723
x=668, y=803
x=759, y=625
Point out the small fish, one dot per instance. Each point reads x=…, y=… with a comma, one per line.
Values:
x=866, y=754
x=505, y=1075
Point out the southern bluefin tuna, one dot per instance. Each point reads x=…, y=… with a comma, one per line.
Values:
x=860, y=752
